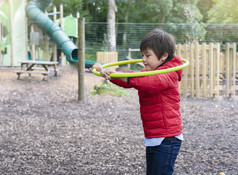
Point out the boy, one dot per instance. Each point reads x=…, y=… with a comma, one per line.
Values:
x=159, y=101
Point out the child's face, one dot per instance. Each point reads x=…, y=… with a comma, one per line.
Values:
x=150, y=60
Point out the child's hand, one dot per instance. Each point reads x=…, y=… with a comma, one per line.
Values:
x=97, y=66
x=106, y=72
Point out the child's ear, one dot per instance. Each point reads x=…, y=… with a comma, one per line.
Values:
x=165, y=56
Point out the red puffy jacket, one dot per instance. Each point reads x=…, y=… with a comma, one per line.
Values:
x=159, y=100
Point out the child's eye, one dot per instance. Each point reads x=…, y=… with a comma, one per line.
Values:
x=145, y=55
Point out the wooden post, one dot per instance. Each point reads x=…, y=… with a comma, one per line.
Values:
x=192, y=68
x=197, y=68
x=234, y=69
x=81, y=58
x=214, y=68
x=236, y=62
x=204, y=72
x=178, y=52
x=11, y=26
x=26, y=33
x=77, y=15
x=185, y=86
x=63, y=61
x=211, y=70
x=227, y=56
x=33, y=47
x=217, y=69
x=0, y=45
x=222, y=70
x=55, y=45
x=47, y=43
x=129, y=56
x=47, y=48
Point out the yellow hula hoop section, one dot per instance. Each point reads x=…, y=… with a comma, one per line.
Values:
x=139, y=74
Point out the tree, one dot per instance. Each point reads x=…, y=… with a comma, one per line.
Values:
x=70, y=7
x=223, y=12
x=194, y=30
x=204, y=6
x=111, y=26
x=160, y=9
x=179, y=17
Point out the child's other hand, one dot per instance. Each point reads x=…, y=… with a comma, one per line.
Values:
x=106, y=72
x=97, y=66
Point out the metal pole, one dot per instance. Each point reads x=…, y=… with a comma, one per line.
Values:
x=81, y=57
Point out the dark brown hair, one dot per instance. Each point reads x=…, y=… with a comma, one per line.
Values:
x=160, y=42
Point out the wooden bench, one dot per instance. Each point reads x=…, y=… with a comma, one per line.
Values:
x=41, y=69
x=19, y=72
x=37, y=67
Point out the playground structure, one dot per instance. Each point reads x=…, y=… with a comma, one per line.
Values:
x=13, y=32
x=34, y=11
x=12, y=37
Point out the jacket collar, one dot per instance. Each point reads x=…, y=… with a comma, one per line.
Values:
x=167, y=60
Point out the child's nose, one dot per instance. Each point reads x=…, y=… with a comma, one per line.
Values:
x=143, y=58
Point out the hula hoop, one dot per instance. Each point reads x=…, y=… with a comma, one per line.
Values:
x=139, y=74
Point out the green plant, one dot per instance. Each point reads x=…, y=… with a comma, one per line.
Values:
x=109, y=89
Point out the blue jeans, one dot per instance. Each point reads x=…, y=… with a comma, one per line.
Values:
x=160, y=159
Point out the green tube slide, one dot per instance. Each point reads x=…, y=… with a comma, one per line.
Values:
x=34, y=11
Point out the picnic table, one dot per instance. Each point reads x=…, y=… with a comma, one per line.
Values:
x=37, y=67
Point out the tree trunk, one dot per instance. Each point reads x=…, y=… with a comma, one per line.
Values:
x=111, y=26
x=86, y=4
x=126, y=27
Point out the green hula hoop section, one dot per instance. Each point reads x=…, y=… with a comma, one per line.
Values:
x=139, y=74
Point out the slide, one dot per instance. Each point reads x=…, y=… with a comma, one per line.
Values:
x=34, y=11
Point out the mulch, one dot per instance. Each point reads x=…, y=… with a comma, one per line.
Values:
x=44, y=129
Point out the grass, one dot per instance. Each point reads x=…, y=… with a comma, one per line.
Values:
x=108, y=88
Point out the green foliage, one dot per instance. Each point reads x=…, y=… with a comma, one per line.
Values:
x=204, y=6
x=97, y=10
x=71, y=7
x=223, y=12
x=169, y=12
x=109, y=89
x=160, y=9
x=140, y=11
x=185, y=19
x=90, y=55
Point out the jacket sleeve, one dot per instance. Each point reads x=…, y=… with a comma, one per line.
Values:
x=121, y=83
x=154, y=83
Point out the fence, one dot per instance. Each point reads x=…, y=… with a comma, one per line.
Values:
x=129, y=35
x=107, y=57
x=213, y=69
